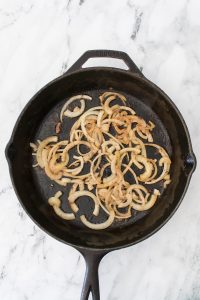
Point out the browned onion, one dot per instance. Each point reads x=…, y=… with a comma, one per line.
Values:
x=115, y=138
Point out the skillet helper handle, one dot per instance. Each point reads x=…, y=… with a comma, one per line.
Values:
x=91, y=281
x=106, y=54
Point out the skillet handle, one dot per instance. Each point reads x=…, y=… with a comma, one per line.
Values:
x=105, y=53
x=91, y=281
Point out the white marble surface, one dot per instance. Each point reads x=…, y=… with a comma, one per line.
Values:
x=39, y=40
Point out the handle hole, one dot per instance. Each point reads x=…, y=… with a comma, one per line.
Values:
x=105, y=62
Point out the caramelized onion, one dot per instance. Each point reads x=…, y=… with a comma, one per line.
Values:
x=77, y=111
x=120, y=167
x=100, y=226
x=56, y=203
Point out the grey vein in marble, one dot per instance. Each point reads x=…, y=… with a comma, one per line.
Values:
x=39, y=40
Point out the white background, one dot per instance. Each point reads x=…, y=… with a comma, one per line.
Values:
x=39, y=40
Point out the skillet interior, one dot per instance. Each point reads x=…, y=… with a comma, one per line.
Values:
x=38, y=121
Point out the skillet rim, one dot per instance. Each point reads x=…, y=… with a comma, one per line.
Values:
x=167, y=99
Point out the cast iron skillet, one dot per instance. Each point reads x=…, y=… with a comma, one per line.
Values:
x=38, y=120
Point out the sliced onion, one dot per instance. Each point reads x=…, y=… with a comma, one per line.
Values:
x=78, y=169
x=42, y=145
x=55, y=148
x=73, y=197
x=100, y=226
x=55, y=203
x=149, y=204
x=47, y=169
x=106, y=94
x=148, y=168
x=76, y=112
x=33, y=146
x=62, y=214
x=114, y=137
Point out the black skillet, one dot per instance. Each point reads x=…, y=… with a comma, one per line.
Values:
x=38, y=120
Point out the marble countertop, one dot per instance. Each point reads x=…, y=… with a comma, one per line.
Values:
x=39, y=40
